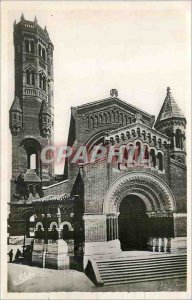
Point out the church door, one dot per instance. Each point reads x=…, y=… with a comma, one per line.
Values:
x=133, y=224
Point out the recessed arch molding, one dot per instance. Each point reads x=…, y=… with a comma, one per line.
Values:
x=155, y=193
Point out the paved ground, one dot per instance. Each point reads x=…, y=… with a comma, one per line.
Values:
x=22, y=278
x=171, y=285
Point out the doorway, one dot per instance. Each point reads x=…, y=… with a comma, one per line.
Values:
x=133, y=223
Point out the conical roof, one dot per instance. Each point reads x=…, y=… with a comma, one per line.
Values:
x=169, y=109
x=45, y=108
x=16, y=105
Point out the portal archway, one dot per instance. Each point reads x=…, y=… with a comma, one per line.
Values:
x=148, y=201
x=154, y=192
x=133, y=223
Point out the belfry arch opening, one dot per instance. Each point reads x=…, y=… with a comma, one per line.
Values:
x=133, y=223
x=33, y=150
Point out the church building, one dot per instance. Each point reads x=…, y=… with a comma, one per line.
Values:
x=136, y=201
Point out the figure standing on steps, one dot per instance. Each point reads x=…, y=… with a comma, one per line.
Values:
x=10, y=255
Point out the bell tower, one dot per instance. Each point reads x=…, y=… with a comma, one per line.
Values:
x=172, y=122
x=31, y=114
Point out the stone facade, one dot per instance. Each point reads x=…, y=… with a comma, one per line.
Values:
x=146, y=184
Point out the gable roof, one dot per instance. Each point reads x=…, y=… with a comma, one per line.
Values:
x=113, y=100
x=169, y=109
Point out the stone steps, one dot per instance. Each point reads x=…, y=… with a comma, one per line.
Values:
x=130, y=270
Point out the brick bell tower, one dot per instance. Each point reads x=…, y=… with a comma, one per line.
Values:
x=31, y=114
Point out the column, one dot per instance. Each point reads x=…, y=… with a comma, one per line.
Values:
x=112, y=227
x=108, y=229
x=117, y=227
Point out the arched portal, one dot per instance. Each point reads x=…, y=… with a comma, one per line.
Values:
x=133, y=223
x=154, y=192
x=139, y=207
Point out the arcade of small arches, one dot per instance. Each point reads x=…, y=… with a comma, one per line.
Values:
x=138, y=153
x=54, y=225
x=136, y=133
x=132, y=154
x=175, y=130
x=54, y=231
x=107, y=117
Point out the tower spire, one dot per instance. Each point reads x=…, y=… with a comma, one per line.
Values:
x=169, y=109
x=35, y=20
x=22, y=17
x=168, y=90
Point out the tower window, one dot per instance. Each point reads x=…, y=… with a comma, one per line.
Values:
x=26, y=45
x=32, y=46
x=32, y=78
x=30, y=75
x=43, y=54
x=39, y=49
x=44, y=84
x=29, y=46
x=40, y=81
x=178, y=139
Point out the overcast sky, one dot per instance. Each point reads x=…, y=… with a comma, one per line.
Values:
x=138, y=48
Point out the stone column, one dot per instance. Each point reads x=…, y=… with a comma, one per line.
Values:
x=112, y=228
x=108, y=227
x=116, y=229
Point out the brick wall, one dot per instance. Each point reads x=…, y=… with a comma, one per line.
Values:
x=178, y=185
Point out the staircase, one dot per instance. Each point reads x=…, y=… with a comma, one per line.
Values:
x=140, y=269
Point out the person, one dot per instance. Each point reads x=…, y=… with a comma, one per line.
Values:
x=10, y=255
x=17, y=255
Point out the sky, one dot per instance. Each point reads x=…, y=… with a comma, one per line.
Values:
x=137, y=48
